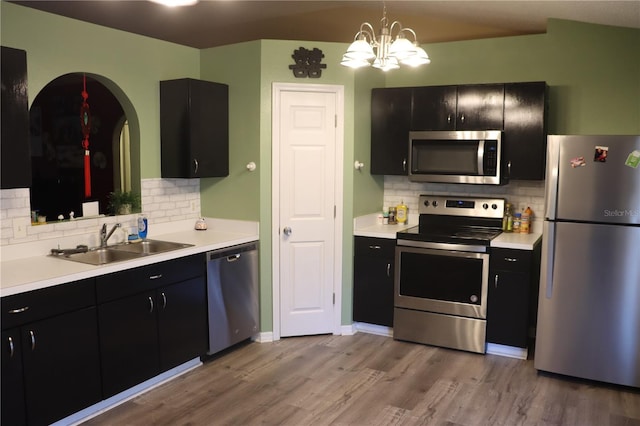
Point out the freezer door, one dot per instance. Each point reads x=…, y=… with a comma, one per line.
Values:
x=593, y=179
x=588, y=312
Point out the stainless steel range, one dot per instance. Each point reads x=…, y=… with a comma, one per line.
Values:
x=442, y=272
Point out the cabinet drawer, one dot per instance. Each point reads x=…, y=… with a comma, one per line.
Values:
x=133, y=281
x=377, y=247
x=510, y=260
x=35, y=305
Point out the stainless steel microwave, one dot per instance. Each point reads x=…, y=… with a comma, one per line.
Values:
x=456, y=156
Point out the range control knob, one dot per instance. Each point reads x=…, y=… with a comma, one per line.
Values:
x=426, y=203
x=494, y=206
x=485, y=206
x=434, y=203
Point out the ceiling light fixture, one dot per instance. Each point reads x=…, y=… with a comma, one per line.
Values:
x=175, y=3
x=384, y=52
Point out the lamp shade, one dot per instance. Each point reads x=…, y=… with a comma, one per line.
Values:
x=402, y=48
x=360, y=50
x=354, y=63
x=420, y=58
x=386, y=64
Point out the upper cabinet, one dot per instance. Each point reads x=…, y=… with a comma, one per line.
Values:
x=525, y=130
x=14, y=142
x=194, y=128
x=518, y=109
x=390, y=125
x=434, y=108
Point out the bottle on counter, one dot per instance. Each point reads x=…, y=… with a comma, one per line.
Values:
x=402, y=212
x=525, y=221
x=507, y=219
x=517, y=221
x=392, y=216
x=143, y=225
x=385, y=215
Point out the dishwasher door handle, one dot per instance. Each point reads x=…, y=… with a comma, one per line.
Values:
x=233, y=257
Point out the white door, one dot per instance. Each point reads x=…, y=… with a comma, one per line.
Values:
x=306, y=209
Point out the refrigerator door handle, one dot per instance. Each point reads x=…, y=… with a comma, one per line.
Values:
x=551, y=179
x=548, y=256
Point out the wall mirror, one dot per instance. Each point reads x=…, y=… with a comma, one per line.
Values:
x=57, y=154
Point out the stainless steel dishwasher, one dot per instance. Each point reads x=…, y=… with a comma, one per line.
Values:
x=232, y=281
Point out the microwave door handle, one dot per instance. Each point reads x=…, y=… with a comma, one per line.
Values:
x=481, y=158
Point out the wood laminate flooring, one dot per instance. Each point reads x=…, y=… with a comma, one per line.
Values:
x=366, y=379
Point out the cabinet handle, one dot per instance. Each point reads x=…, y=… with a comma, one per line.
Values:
x=462, y=118
x=195, y=166
x=495, y=281
x=19, y=310
x=11, y=347
x=448, y=118
x=155, y=277
x=150, y=304
x=388, y=269
x=510, y=259
x=404, y=165
x=164, y=300
x=33, y=340
x=509, y=168
x=375, y=247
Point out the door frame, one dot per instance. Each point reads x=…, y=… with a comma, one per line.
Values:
x=277, y=89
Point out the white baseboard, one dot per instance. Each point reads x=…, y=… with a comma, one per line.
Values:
x=107, y=404
x=348, y=330
x=264, y=337
x=373, y=329
x=508, y=351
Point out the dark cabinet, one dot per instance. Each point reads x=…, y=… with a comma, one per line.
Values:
x=390, y=123
x=512, y=300
x=50, y=358
x=434, y=108
x=525, y=130
x=373, y=280
x=14, y=139
x=194, y=128
x=151, y=319
x=480, y=107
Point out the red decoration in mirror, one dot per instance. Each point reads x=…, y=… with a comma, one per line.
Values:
x=85, y=124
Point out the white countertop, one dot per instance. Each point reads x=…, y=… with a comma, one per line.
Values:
x=32, y=273
x=367, y=226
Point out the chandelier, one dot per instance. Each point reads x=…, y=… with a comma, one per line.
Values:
x=384, y=52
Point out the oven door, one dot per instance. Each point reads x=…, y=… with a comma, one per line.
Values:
x=442, y=281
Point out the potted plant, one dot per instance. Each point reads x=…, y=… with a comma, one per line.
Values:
x=123, y=202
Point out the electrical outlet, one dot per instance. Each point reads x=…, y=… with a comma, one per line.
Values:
x=20, y=227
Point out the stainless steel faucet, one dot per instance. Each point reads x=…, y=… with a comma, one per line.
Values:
x=104, y=237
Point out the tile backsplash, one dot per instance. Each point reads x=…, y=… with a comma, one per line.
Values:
x=163, y=200
x=519, y=193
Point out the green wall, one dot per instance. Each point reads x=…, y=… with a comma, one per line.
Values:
x=593, y=72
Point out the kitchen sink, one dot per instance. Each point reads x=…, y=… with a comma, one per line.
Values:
x=100, y=256
x=118, y=252
x=149, y=247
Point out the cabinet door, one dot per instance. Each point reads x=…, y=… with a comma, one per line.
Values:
x=373, y=290
x=390, y=123
x=480, y=107
x=194, y=128
x=509, y=297
x=13, y=405
x=525, y=130
x=14, y=140
x=61, y=365
x=434, y=108
x=128, y=342
x=182, y=322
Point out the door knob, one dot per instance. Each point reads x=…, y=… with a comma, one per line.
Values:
x=287, y=231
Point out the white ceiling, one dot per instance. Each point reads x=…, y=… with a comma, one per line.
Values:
x=218, y=22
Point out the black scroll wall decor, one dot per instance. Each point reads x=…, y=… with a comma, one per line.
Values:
x=307, y=63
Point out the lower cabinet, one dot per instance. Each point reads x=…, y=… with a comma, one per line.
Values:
x=148, y=332
x=50, y=358
x=512, y=300
x=373, y=280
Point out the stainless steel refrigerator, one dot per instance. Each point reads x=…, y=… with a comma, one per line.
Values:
x=589, y=302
